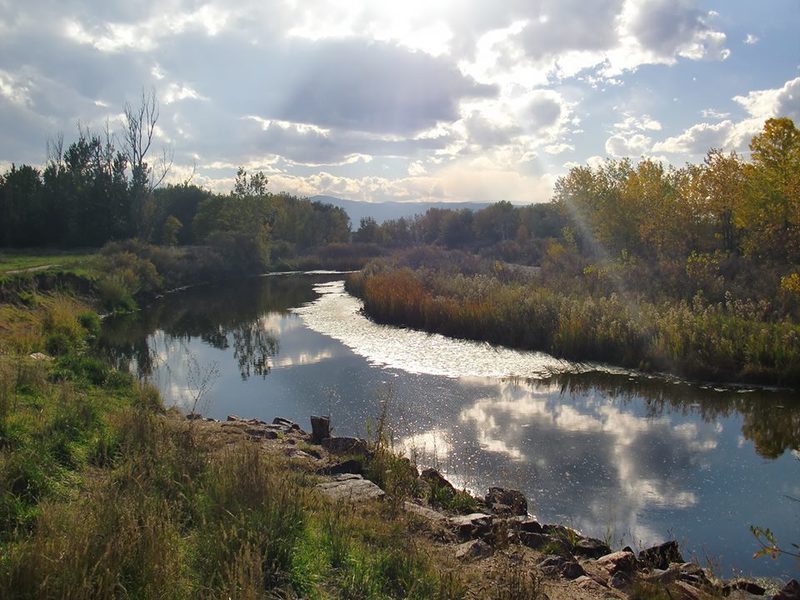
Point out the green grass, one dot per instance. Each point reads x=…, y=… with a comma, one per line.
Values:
x=79, y=262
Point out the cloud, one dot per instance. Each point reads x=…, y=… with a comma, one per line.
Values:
x=698, y=139
x=751, y=40
x=674, y=27
x=779, y=102
x=735, y=135
x=376, y=87
x=628, y=145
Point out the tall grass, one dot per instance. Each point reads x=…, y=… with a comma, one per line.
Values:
x=723, y=341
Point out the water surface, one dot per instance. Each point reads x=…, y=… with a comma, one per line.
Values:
x=635, y=459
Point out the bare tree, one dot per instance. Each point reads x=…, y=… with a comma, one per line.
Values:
x=140, y=126
x=55, y=150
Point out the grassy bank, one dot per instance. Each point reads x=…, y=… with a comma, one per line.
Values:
x=104, y=494
x=724, y=341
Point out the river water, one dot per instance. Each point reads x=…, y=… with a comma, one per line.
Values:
x=625, y=457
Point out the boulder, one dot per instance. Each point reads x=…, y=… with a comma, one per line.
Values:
x=472, y=526
x=504, y=501
x=618, y=562
x=347, y=466
x=551, y=565
x=660, y=556
x=526, y=524
x=619, y=580
x=424, y=512
x=533, y=540
x=345, y=445
x=571, y=570
x=286, y=423
x=261, y=432
x=687, y=592
x=473, y=550
x=587, y=583
x=745, y=585
x=791, y=591
x=350, y=488
x=320, y=429
x=591, y=548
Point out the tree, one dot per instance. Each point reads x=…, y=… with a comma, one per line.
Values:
x=771, y=213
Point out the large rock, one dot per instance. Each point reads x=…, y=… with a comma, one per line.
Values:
x=472, y=526
x=591, y=548
x=618, y=562
x=791, y=591
x=424, y=512
x=571, y=570
x=350, y=488
x=345, y=445
x=348, y=466
x=526, y=524
x=751, y=587
x=660, y=556
x=504, y=501
x=533, y=540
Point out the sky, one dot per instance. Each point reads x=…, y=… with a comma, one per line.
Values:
x=412, y=100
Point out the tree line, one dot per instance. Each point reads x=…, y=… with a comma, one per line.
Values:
x=100, y=189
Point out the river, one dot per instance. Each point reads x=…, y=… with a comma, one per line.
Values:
x=629, y=458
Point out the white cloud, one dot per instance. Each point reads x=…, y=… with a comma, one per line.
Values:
x=751, y=40
x=735, y=135
x=628, y=145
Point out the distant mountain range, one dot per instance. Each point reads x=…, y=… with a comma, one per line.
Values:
x=385, y=211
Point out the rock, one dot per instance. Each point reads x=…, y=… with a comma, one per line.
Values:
x=345, y=445
x=424, y=512
x=552, y=560
x=660, y=556
x=295, y=453
x=533, y=540
x=40, y=356
x=618, y=580
x=686, y=591
x=436, y=479
x=320, y=429
x=571, y=570
x=286, y=423
x=195, y=417
x=587, y=583
x=591, y=548
x=472, y=525
x=234, y=418
x=473, y=550
x=552, y=564
x=526, y=524
x=664, y=576
x=693, y=574
x=618, y=562
x=745, y=585
x=742, y=595
x=791, y=591
x=506, y=502
x=348, y=466
x=260, y=432
x=350, y=488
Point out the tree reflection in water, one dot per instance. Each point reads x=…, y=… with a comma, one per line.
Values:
x=222, y=316
x=773, y=427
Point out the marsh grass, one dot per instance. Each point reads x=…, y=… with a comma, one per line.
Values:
x=730, y=340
